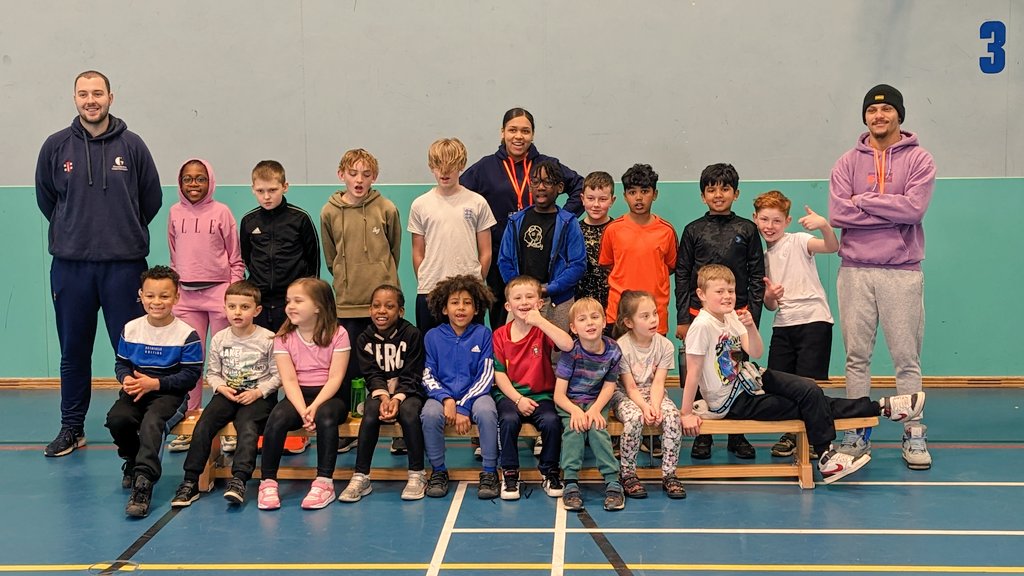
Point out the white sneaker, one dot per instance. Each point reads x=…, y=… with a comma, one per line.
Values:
x=180, y=444
x=902, y=407
x=416, y=486
x=358, y=487
x=537, y=447
x=510, y=485
x=228, y=444
x=834, y=465
x=915, y=447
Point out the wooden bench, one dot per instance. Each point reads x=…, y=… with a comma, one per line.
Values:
x=799, y=467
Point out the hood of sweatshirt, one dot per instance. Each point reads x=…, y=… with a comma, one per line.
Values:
x=370, y=198
x=213, y=183
x=115, y=129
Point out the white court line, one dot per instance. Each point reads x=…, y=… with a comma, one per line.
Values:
x=783, y=531
x=846, y=483
x=447, y=530
x=558, y=547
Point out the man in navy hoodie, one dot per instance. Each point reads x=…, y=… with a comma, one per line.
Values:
x=98, y=187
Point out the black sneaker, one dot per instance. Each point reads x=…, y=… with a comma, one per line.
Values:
x=347, y=444
x=67, y=441
x=398, y=447
x=701, y=447
x=553, y=486
x=187, y=493
x=739, y=446
x=651, y=445
x=572, y=498
x=510, y=485
x=138, y=502
x=235, y=492
x=489, y=487
x=127, y=469
x=437, y=485
x=616, y=447
x=614, y=499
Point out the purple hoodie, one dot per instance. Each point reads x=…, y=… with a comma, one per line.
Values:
x=881, y=221
x=203, y=237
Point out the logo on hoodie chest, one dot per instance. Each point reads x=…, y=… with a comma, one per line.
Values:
x=68, y=166
x=118, y=165
x=873, y=178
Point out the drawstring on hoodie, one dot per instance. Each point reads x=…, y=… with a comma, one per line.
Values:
x=88, y=159
x=883, y=170
x=103, y=161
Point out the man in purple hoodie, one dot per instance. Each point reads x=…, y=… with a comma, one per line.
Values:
x=878, y=195
x=97, y=186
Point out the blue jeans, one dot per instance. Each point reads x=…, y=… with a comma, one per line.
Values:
x=484, y=415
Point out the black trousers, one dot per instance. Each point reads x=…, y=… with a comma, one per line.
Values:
x=249, y=422
x=791, y=397
x=139, y=428
x=285, y=418
x=548, y=423
x=804, y=349
x=369, y=432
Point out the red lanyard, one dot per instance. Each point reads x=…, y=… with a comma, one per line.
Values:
x=510, y=170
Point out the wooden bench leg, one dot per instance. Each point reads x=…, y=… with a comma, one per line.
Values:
x=803, y=454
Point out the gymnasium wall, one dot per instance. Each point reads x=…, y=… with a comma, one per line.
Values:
x=773, y=87
x=971, y=272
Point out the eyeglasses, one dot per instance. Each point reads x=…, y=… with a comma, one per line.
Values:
x=546, y=182
x=186, y=180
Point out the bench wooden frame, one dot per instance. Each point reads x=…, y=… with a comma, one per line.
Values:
x=799, y=467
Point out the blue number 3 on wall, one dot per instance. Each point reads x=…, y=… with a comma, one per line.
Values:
x=996, y=31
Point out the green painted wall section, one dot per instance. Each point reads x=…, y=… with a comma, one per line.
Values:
x=973, y=267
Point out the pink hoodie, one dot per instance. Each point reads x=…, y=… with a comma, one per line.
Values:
x=881, y=221
x=203, y=237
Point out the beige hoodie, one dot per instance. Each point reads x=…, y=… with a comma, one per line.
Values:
x=361, y=246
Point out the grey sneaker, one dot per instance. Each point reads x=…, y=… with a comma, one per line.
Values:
x=180, y=444
x=856, y=442
x=358, y=487
x=437, y=486
x=489, y=487
x=915, y=447
x=138, y=501
x=614, y=498
x=228, y=444
x=572, y=498
x=416, y=486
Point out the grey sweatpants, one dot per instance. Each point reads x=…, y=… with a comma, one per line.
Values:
x=893, y=298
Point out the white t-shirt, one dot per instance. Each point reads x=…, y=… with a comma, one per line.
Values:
x=642, y=363
x=449, y=225
x=715, y=341
x=788, y=263
x=312, y=362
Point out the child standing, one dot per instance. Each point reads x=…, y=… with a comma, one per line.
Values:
x=802, y=330
x=719, y=237
x=450, y=227
x=716, y=331
x=243, y=376
x=458, y=377
x=585, y=383
x=522, y=370
x=598, y=197
x=544, y=241
x=639, y=248
x=203, y=241
x=646, y=359
x=362, y=237
x=159, y=358
x=312, y=354
x=279, y=242
x=391, y=355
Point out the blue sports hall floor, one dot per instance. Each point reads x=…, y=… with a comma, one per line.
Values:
x=964, y=516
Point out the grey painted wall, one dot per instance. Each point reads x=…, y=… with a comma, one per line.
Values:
x=773, y=87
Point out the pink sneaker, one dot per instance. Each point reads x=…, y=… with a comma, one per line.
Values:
x=320, y=494
x=268, y=498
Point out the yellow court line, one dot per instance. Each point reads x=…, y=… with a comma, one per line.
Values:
x=747, y=568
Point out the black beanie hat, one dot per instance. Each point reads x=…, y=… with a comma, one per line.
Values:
x=884, y=94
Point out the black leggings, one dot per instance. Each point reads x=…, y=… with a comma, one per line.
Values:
x=369, y=432
x=284, y=418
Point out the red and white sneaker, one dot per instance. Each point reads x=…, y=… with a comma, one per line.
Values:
x=834, y=464
x=320, y=494
x=268, y=498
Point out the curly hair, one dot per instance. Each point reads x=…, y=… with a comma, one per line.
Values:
x=438, y=297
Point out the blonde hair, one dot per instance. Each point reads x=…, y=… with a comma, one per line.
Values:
x=586, y=304
x=356, y=155
x=447, y=154
x=773, y=199
x=629, y=303
x=714, y=272
x=521, y=281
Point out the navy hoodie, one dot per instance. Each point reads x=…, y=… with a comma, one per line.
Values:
x=99, y=194
x=489, y=179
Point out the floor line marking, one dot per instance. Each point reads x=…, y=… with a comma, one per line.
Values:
x=125, y=558
x=607, y=549
x=558, y=546
x=767, y=531
x=447, y=530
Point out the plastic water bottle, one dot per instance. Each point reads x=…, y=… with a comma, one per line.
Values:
x=358, y=397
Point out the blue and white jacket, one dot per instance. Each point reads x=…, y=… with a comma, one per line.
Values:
x=459, y=367
x=172, y=354
x=568, y=254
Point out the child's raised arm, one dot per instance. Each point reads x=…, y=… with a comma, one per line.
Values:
x=828, y=243
x=558, y=336
x=751, y=340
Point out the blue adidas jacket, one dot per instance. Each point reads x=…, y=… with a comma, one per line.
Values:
x=459, y=367
x=568, y=254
